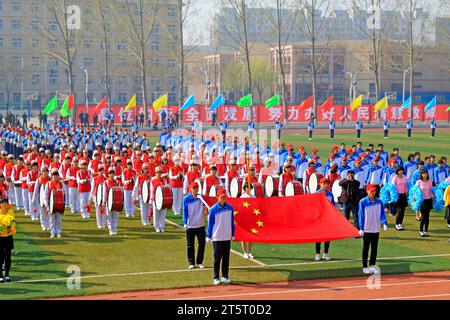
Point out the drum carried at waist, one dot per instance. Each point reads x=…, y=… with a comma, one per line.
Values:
x=293, y=188
x=163, y=198
x=271, y=186
x=42, y=196
x=99, y=195
x=236, y=187
x=215, y=189
x=56, y=202
x=145, y=190
x=115, y=199
x=336, y=189
x=313, y=183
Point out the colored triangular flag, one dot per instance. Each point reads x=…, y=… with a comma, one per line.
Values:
x=308, y=103
x=356, y=103
x=406, y=104
x=220, y=101
x=448, y=109
x=160, y=103
x=328, y=104
x=245, y=101
x=71, y=102
x=431, y=104
x=190, y=102
x=382, y=104
x=51, y=106
x=101, y=105
x=273, y=102
x=65, y=112
x=132, y=103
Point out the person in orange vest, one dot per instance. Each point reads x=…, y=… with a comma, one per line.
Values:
x=176, y=184
x=118, y=171
x=285, y=177
x=113, y=216
x=93, y=164
x=41, y=157
x=55, y=163
x=15, y=176
x=24, y=187
x=32, y=177
x=191, y=175
x=48, y=158
x=41, y=182
x=84, y=189
x=100, y=213
x=159, y=216
x=137, y=194
x=211, y=180
x=56, y=218
x=9, y=166
x=137, y=161
x=74, y=197
x=128, y=179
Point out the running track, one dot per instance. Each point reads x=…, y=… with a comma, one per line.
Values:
x=419, y=286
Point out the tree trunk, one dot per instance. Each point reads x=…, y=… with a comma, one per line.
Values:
x=181, y=48
x=247, y=54
x=314, y=75
x=144, y=87
x=411, y=60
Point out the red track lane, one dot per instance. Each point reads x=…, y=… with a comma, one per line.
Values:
x=419, y=286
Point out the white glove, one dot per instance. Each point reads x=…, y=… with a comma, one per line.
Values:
x=385, y=227
x=361, y=233
x=208, y=240
x=232, y=238
x=185, y=227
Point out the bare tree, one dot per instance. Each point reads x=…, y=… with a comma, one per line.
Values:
x=237, y=31
x=263, y=77
x=138, y=25
x=315, y=27
x=8, y=76
x=280, y=25
x=63, y=43
x=230, y=79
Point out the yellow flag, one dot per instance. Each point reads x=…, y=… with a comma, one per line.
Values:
x=382, y=104
x=356, y=103
x=132, y=103
x=160, y=103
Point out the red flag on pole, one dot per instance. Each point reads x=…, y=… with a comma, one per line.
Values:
x=101, y=105
x=308, y=103
x=301, y=219
x=327, y=104
x=71, y=102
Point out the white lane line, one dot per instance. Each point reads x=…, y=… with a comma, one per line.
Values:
x=415, y=297
x=310, y=290
x=268, y=266
x=233, y=251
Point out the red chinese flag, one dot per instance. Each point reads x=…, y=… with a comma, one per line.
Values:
x=100, y=106
x=301, y=219
x=71, y=102
x=328, y=104
x=308, y=103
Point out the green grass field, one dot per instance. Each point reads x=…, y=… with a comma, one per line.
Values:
x=138, y=258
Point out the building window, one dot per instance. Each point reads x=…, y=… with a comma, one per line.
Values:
x=53, y=78
x=52, y=63
x=34, y=7
x=88, y=26
x=88, y=44
x=1, y=42
x=122, y=98
x=88, y=62
x=171, y=12
x=34, y=25
x=417, y=86
x=16, y=61
x=52, y=44
x=1, y=5
x=156, y=29
x=17, y=97
x=52, y=26
x=35, y=79
x=155, y=83
x=16, y=43
x=35, y=43
x=105, y=11
x=16, y=6
x=171, y=64
x=35, y=61
x=121, y=45
x=155, y=45
x=1, y=24
x=172, y=98
x=90, y=97
x=16, y=24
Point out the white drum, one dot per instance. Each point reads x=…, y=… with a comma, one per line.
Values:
x=163, y=198
x=99, y=195
x=313, y=184
x=271, y=186
x=336, y=189
x=145, y=189
x=42, y=196
x=236, y=187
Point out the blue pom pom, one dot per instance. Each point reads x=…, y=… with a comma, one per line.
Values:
x=438, y=198
x=410, y=185
x=415, y=198
x=388, y=194
x=443, y=185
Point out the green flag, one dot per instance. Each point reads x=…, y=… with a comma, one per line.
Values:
x=448, y=109
x=273, y=102
x=51, y=106
x=65, y=112
x=245, y=101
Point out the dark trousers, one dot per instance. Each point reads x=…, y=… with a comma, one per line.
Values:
x=310, y=134
x=353, y=208
x=425, y=212
x=332, y=133
x=386, y=133
x=5, y=256
x=433, y=131
x=370, y=241
x=124, y=123
x=190, y=235
x=447, y=214
x=221, y=255
x=279, y=134
x=401, y=207
x=409, y=133
x=325, y=250
x=358, y=134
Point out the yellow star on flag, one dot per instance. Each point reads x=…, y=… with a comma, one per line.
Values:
x=254, y=231
x=260, y=223
x=236, y=212
x=246, y=204
x=256, y=212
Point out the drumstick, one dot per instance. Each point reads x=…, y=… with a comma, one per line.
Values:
x=204, y=202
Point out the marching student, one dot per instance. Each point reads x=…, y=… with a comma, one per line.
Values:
x=401, y=185
x=324, y=188
x=7, y=220
x=15, y=178
x=194, y=224
x=310, y=129
x=128, y=179
x=409, y=127
x=278, y=126
x=55, y=218
x=440, y=173
x=371, y=215
x=447, y=204
x=41, y=182
x=100, y=213
x=221, y=232
x=426, y=187
x=159, y=216
x=192, y=175
x=247, y=246
x=74, y=197
x=63, y=173
x=137, y=194
x=433, y=127
x=24, y=187
x=386, y=126
x=113, y=216
x=359, y=125
x=84, y=189
x=9, y=166
x=32, y=177
x=332, y=127
x=286, y=177
x=350, y=196
x=176, y=184
x=211, y=180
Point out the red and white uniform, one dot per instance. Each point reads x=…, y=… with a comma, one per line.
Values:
x=190, y=177
x=84, y=189
x=176, y=184
x=32, y=177
x=128, y=180
x=100, y=212
x=210, y=180
x=284, y=179
x=137, y=195
x=74, y=196
x=159, y=216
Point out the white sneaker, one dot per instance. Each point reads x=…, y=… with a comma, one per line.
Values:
x=52, y=236
x=111, y=233
x=200, y=266
x=448, y=225
x=157, y=230
x=326, y=257
x=251, y=256
x=216, y=282
x=246, y=256
x=422, y=234
x=401, y=227
x=317, y=257
x=366, y=270
x=59, y=236
x=373, y=269
x=163, y=230
x=226, y=280
x=191, y=266
x=99, y=227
